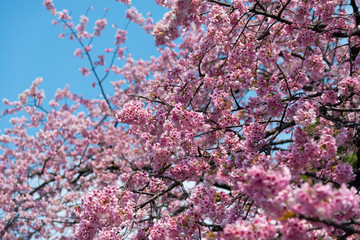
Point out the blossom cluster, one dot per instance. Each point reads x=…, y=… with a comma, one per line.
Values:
x=245, y=125
x=104, y=213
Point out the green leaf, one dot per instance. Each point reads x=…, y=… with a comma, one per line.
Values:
x=341, y=149
x=310, y=129
x=304, y=177
x=351, y=159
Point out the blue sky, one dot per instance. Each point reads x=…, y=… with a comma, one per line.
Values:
x=30, y=46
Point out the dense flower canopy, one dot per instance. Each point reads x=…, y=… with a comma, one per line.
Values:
x=246, y=126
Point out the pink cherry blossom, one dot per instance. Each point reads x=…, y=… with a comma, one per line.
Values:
x=99, y=26
x=244, y=125
x=77, y=52
x=85, y=71
x=88, y=48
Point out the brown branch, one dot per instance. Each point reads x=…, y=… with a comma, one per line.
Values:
x=355, y=11
x=280, y=128
x=343, y=109
x=171, y=187
x=283, y=20
x=214, y=227
x=41, y=186
x=221, y=3
x=343, y=226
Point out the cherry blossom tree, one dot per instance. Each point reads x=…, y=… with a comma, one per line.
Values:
x=246, y=126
